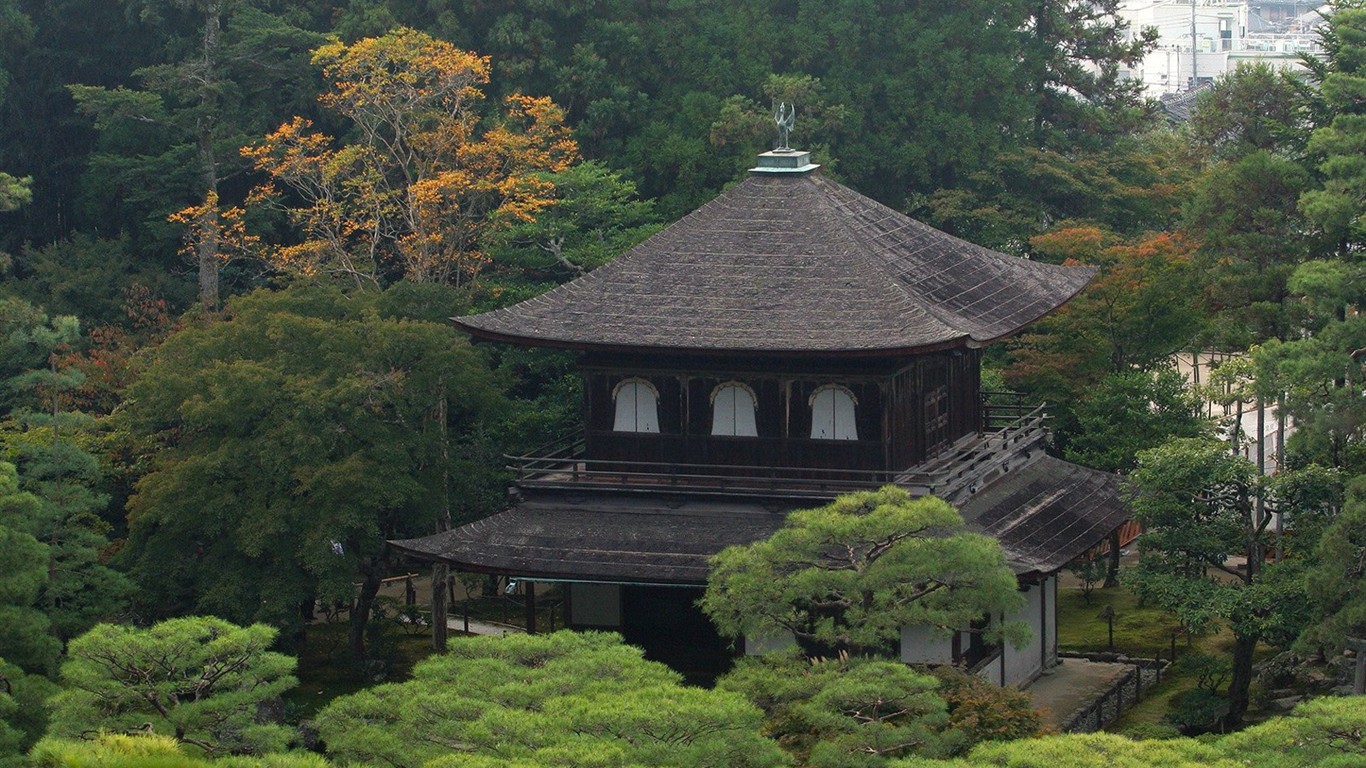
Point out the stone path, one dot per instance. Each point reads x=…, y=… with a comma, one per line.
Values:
x=1071, y=685
x=483, y=627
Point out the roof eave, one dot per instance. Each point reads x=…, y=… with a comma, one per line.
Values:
x=482, y=334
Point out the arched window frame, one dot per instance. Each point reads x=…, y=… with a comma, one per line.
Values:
x=650, y=424
x=840, y=430
x=740, y=426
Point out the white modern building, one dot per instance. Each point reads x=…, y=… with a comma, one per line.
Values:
x=1199, y=40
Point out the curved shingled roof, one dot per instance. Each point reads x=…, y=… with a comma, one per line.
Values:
x=1045, y=514
x=791, y=263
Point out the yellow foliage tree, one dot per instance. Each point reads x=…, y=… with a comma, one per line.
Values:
x=429, y=175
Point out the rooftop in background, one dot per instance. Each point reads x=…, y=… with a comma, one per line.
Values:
x=788, y=262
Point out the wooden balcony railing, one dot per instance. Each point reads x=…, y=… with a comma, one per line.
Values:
x=800, y=468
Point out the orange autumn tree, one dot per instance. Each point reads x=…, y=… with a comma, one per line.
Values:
x=1141, y=307
x=429, y=174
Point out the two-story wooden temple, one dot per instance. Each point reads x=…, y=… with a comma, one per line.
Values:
x=789, y=341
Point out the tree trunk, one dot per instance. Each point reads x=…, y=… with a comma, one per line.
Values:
x=440, y=571
x=1240, y=681
x=360, y=615
x=1112, y=568
x=207, y=249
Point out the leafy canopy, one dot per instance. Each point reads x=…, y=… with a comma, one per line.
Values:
x=428, y=175
x=845, y=712
x=200, y=679
x=286, y=443
x=566, y=699
x=848, y=576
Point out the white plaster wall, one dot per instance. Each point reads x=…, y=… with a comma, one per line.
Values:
x=992, y=671
x=595, y=605
x=924, y=645
x=1023, y=664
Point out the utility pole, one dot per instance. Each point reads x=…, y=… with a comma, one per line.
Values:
x=1195, y=77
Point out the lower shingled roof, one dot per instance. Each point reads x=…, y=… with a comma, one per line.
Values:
x=1045, y=514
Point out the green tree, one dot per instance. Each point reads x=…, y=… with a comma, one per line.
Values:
x=286, y=444
x=1133, y=186
x=1090, y=750
x=845, y=712
x=1196, y=503
x=1335, y=580
x=1129, y=412
x=848, y=576
x=1339, y=147
x=596, y=217
x=46, y=440
x=14, y=191
x=15, y=30
x=23, y=712
x=566, y=699
x=1251, y=238
x=1324, y=733
x=1255, y=107
x=179, y=133
x=1077, y=53
x=25, y=630
x=1320, y=370
x=117, y=750
x=200, y=679
x=1138, y=311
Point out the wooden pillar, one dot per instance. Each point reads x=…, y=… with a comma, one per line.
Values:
x=530, y=607
x=440, y=630
x=1043, y=624
x=1003, y=653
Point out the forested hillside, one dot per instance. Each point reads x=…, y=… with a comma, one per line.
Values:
x=232, y=233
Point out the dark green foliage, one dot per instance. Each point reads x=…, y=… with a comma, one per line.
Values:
x=1079, y=48
x=567, y=699
x=1323, y=733
x=1252, y=239
x=595, y=218
x=1195, y=500
x=1337, y=146
x=286, y=443
x=847, y=711
x=23, y=712
x=200, y=679
x=48, y=444
x=1131, y=412
x=1254, y=108
x=91, y=278
x=1197, y=711
x=1334, y=580
x=846, y=577
x=172, y=139
x=1319, y=372
x=24, y=628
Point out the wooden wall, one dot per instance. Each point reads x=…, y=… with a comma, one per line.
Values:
x=907, y=411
